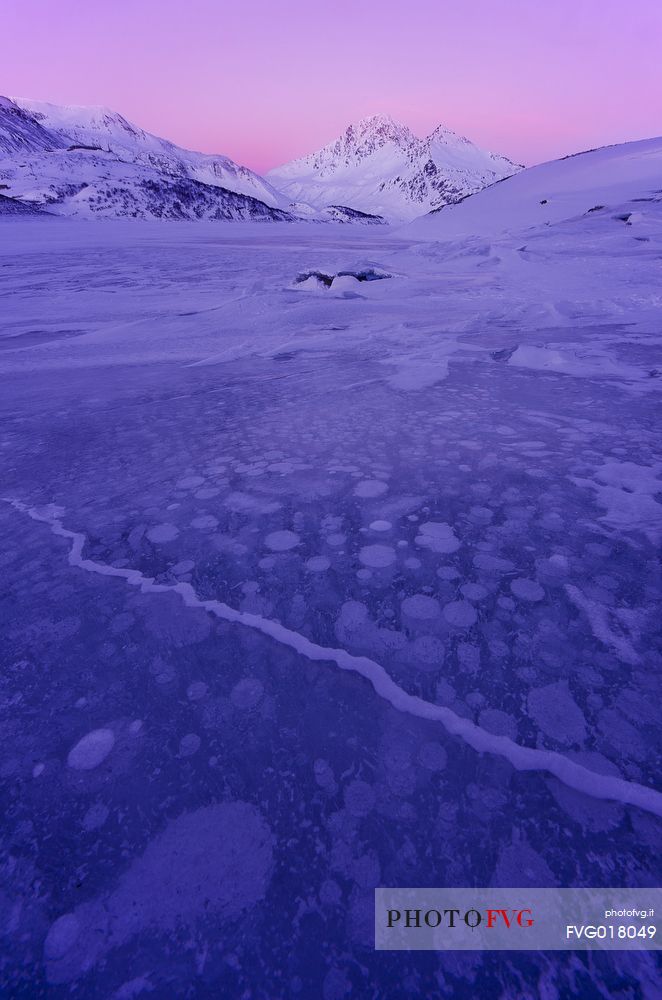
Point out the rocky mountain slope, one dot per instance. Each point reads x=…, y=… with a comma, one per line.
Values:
x=93, y=162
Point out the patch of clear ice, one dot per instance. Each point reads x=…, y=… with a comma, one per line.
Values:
x=377, y=556
x=281, y=541
x=215, y=860
x=318, y=564
x=421, y=607
x=91, y=750
x=369, y=488
x=247, y=693
x=438, y=537
x=161, y=533
x=527, y=590
x=460, y=614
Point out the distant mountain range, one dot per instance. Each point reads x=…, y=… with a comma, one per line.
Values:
x=90, y=161
x=93, y=162
x=379, y=166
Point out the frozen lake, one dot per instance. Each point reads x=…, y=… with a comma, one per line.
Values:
x=368, y=594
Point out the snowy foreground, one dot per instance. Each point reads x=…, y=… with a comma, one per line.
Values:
x=310, y=588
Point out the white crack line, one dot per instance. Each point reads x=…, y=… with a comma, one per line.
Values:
x=582, y=779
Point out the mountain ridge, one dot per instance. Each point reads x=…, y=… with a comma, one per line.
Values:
x=378, y=165
x=78, y=124
x=92, y=161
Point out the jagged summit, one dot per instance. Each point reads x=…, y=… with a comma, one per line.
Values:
x=360, y=140
x=382, y=126
x=443, y=134
x=377, y=120
x=379, y=166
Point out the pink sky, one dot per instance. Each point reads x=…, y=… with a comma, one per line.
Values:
x=264, y=81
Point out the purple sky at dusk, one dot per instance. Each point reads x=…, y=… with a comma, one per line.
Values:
x=264, y=81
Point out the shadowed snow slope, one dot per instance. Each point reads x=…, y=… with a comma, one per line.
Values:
x=599, y=180
x=20, y=132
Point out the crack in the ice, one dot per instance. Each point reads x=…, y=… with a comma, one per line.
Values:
x=576, y=776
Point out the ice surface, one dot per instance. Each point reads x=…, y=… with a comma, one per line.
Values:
x=421, y=607
x=318, y=564
x=527, y=590
x=91, y=750
x=369, y=488
x=162, y=533
x=213, y=860
x=281, y=541
x=312, y=684
x=557, y=714
x=377, y=556
x=380, y=525
x=438, y=537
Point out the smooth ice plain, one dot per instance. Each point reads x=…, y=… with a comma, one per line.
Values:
x=310, y=589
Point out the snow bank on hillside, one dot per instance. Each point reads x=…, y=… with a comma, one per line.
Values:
x=592, y=182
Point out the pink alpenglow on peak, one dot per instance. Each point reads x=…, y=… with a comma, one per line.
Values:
x=379, y=166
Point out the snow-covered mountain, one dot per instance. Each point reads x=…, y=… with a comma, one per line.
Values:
x=379, y=166
x=92, y=161
x=108, y=131
x=619, y=181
